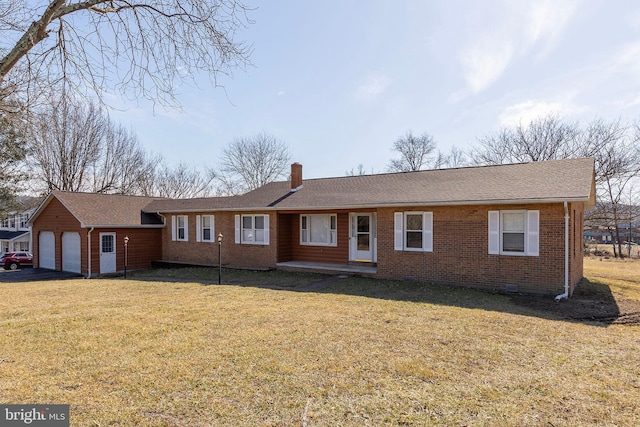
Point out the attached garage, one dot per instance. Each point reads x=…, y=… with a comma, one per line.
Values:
x=47, y=250
x=71, y=252
x=80, y=233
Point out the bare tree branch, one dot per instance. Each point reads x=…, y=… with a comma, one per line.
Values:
x=414, y=152
x=251, y=162
x=143, y=49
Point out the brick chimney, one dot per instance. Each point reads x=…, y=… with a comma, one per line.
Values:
x=296, y=176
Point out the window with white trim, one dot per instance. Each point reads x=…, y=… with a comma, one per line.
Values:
x=23, y=220
x=252, y=229
x=205, y=228
x=413, y=231
x=182, y=228
x=318, y=229
x=514, y=232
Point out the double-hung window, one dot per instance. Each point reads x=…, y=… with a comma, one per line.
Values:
x=252, y=229
x=204, y=228
x=514, y=232
x=413, y=231
x=318, y=230
x=179, y=228
x=23, y=220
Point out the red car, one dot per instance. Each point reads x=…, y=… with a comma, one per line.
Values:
x=15, y=260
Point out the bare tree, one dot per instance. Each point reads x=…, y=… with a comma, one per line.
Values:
x=180, y=182
x=361, y=171
x=12, y=154
x=141, y=48
x=545, y=138
x=456, y=158
x=613, y=145
x=251, y=162
x=414, y=152
x=76, y=147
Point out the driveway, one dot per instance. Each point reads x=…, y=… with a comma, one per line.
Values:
x=34, y=274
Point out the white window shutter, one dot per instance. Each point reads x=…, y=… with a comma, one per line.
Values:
x=237, y=218
x=186, y=228
x=533, y=233
x=398, y=231
x=427, y=232
x=494, y=232
x=214, y=238
x=266, y=229
x=198, y=228
x=173, y=228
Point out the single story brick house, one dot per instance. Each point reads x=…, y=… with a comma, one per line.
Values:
x=511, y=227
x=84, y=233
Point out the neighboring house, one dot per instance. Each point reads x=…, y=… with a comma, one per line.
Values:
x=84, y=233
x=602, y=235
x=505, y=228
x=15, y=233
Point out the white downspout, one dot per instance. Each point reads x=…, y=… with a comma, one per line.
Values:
x=566, y=255
x=89, y=253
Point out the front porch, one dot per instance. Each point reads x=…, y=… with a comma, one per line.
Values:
x=366, y=269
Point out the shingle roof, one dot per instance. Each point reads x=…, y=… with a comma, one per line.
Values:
x=103, y=209
x=11, y=235
x=550, y=181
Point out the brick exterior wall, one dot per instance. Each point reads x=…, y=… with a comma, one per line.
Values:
x=58, y=219
x=576, y=244
x=144, y=244
x=460, y=252
x=460, y=248
x=233, y=255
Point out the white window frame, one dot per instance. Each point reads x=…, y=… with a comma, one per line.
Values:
x=185, y=227
x=200, y=228
x=24, y=218
x=531, y=232
x=332, y=234
x=240, y=230
x=400, y=231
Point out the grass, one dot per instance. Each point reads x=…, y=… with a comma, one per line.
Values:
x=622, y=276
x=359, y=352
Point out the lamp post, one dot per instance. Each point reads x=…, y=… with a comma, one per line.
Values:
x=219, y=258
x=126, y=255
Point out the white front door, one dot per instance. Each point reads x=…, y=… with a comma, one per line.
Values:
x=362, y=239
x=107, y=253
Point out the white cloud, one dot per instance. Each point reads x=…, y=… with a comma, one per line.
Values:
x=547, y=21
x=509, y=30
x=484, y=63
x=527, y=111
x=373, y=86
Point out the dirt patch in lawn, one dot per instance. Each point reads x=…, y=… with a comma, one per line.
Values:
x=590, y=301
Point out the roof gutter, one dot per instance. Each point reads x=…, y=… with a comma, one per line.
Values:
x=375, y=205
x=89, y=253
x=565, y=295
x=92, y=226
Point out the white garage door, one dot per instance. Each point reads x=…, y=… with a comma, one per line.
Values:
x=71, y=252
x=47, y=249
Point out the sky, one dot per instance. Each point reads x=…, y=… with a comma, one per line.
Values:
x=340, y=81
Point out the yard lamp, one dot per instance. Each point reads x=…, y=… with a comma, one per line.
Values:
x=126, y=255
x=219, y=258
